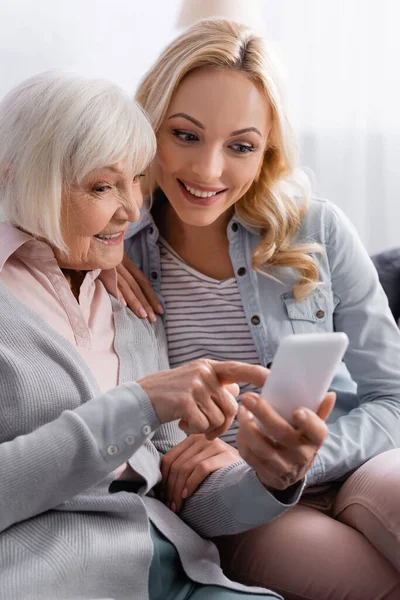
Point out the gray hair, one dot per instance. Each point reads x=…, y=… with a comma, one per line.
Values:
x=55, y=128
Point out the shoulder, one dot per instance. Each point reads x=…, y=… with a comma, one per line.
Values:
x=324, y=223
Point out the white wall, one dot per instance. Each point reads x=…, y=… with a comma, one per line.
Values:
x=117, y=39
x=343, y=75
x=344, y=89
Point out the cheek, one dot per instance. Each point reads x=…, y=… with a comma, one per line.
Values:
x=93, y=219
x=83, y=223
x=242, y=178
x=168, y=157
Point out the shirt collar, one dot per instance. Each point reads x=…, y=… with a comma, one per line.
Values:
x=12, y=238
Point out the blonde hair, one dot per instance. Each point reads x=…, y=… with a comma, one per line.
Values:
x=55, y=128
x=278, y=198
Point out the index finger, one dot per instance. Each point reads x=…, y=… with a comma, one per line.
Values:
x=270, y=423
x=232, y=371
x=311, y=426
x=326, y=405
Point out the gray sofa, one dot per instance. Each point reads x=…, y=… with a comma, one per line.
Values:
x=388, y=267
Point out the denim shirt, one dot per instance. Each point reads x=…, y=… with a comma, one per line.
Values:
x=366, y=419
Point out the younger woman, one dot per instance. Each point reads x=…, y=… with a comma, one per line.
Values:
x=241, y=257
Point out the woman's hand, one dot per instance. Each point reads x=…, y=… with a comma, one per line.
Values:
x=201, y=394
x=189, y=463
x=283, y=454
x=136, y=292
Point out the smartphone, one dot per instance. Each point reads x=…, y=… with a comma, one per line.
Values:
x=302, y=371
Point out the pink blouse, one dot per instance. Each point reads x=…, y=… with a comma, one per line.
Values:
x=88, y=324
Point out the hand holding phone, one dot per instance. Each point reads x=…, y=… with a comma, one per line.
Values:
x=302, y=371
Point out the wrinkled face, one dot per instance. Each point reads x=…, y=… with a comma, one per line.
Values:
x=211, y=143
x=95, y=216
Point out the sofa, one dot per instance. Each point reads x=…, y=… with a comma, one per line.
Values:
x=388, y=266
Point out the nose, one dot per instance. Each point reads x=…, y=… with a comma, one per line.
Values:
x=208, y=164
x=130, y=206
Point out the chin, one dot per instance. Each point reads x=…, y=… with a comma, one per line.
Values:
x=199, y=218
x=107, y=264
x=109, y=258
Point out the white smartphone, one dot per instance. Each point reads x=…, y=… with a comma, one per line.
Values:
x=302, y=371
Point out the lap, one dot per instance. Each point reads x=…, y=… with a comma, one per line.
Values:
x=369, y=501
x=168, y=580
x=206, y=592
x=376, y=484
x=307, y=554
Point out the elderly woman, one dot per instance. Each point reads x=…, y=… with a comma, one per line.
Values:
x=87, y=400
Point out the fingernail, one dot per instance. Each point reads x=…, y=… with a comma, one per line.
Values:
x=173, y=507
x=123, y=301
x=301, y=415
x=251, y=401
x=244, y=413
x=160, y=309
x=152, y=317
x=184, y=493
x=142, y=313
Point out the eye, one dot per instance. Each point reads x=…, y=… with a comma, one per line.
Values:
x=137, y=177
x=100, y=189
x=242, y=148
x=185, y=136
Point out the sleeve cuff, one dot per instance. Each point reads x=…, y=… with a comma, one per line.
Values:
x=315, y=474
x=120, y=420
x=264, y=505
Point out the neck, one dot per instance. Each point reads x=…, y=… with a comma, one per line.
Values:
x=74, y=279
x=206, y=249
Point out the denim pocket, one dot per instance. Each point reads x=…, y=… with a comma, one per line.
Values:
x=314, y=313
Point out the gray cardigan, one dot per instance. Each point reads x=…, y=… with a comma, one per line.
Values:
x=63, y=534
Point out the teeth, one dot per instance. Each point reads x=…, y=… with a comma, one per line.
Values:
x=199, y=194
x=111, y=236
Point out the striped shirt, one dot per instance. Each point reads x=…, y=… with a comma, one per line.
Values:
x=204, y=318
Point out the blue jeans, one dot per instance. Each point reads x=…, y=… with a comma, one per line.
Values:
x=168, y=580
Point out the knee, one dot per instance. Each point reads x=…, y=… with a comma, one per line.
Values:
x=375, y=485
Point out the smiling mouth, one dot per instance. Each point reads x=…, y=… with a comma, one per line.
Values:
x=110, y=239
x=200, y=193
x=107, y=236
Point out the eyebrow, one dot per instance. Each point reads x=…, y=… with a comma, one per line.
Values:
x=240, y=131
x=198, y=124
x=189, y=118
x=113, y=169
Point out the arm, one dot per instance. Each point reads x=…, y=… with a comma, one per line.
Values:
x=59, y=460
x=373, y=358
x=231, y=499
x=236, y=496
x=79, y=448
